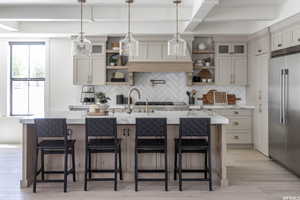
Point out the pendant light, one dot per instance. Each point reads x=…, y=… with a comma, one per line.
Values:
x=81, y=45
x=129, y=46
x=177, y=46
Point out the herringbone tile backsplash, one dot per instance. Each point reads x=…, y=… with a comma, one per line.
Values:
x=174, y=89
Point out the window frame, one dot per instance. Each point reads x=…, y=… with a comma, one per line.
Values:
x=28, y=80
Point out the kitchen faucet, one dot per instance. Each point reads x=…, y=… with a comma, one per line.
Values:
x=129, y=97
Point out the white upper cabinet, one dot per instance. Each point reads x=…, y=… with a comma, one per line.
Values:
x=282, y=39
x=231, y=60
x=228, y=49
x=89, y=70
x=296, y=35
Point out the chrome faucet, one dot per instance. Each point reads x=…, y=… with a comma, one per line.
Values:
x=129, y=96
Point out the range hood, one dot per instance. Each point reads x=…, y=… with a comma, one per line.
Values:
x=160, y=66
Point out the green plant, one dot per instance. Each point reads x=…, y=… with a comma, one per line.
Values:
x=102, y=97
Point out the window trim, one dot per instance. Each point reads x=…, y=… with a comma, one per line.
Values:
x=12, y=79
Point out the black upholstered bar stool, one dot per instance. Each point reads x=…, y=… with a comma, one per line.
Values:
x=48, y=131
x=193, y=128
x=151, y=137
x=109, y=143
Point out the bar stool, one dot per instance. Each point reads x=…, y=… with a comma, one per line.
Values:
x=151, y=137
x=195, y=128
x=102, y=127
x=53, y=128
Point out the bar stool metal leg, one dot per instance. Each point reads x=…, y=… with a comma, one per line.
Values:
x=120, y=163
x=86, y=169
x=43, y=165
x=66, y=170
x=180, y=169
x=90, y=165
x=116, y=170
x=136, y=170
x=35, y=170
x=73, y=165
x=166, y=170
x=209, y=170
x=206, y=168
x=175, y=164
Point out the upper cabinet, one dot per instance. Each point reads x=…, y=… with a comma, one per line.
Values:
x=90, y=70
x=156, y=51
x=231, y=64
x=228, y=49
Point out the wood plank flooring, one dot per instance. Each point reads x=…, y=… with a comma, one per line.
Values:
x=252, y=176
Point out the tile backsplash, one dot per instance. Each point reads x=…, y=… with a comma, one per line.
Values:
x=174, y=89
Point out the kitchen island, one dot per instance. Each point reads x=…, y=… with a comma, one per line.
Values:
x=126, y=132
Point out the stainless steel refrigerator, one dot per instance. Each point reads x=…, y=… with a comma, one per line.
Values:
x=284, y=108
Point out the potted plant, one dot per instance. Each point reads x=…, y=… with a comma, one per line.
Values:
x=102, y=101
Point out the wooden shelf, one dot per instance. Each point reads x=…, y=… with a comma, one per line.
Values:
x=201, y=83
x=117, y=67
x=117, y=83
x=204, y=67
x=203, y=52
x=112, y=51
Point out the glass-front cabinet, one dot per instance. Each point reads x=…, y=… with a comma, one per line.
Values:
x=226, y=49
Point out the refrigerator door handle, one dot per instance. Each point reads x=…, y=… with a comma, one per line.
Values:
x=285, y=105
x=281, y=97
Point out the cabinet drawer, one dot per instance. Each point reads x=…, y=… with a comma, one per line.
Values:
x=239, y=123
x=238, y=138
x=234, y=112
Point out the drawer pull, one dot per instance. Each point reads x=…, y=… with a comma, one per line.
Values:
x=298, y=39
x=236, y=123
x=279, y=45
x=236, y=137
x=259, y=51
x=236, y=112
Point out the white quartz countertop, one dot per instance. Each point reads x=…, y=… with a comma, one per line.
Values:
x=221, y=107
x=76, y=117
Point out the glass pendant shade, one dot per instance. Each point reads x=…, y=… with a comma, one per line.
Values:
x=129, y=46
x=82, y=46
x=177, y=46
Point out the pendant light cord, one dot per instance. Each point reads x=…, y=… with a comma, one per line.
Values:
x=129, y=16
x=177, y=29
x=81, y=13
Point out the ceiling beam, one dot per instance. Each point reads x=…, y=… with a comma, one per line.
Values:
x=249, y=13
x=10, y=26
x=200, y=11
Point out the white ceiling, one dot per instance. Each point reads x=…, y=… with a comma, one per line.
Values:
x=91, y=2
x=148, y=16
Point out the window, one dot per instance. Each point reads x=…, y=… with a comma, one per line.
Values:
x=27, y=77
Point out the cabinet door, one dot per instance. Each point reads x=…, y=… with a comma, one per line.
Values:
x=262, y=45
x=224, y=49
x=277, y=42
x=155, y=51
x=296, y=35
x=166, y=57
x=98, y=70
x=82, y=70
x=239, y=49
x=239, y=66
x=224, y=70
x=143, y=49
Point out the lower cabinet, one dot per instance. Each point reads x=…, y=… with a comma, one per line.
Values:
x=239, y=129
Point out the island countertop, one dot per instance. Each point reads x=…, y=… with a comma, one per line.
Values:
x=78, y=117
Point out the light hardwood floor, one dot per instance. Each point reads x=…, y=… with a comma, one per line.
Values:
x=251, y=175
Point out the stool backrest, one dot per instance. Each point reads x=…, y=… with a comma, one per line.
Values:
x=50, y=127
x=194, y=127
x=101, y=127
x=148, y=127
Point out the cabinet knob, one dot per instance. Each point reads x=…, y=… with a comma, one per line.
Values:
x=259, y=51
x=236, y=112
x=298, y=39
x=236, y=123
x=279, y=45
x=236, y=137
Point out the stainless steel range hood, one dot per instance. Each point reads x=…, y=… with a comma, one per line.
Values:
x=172, y=66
